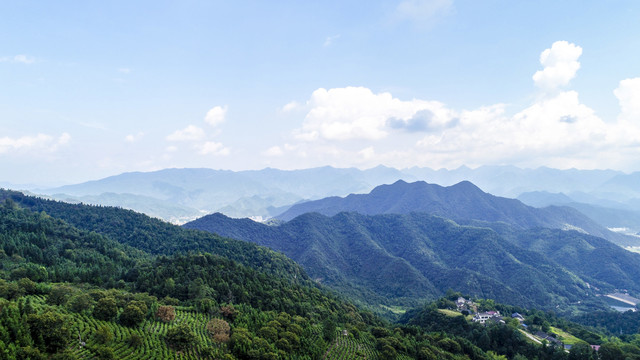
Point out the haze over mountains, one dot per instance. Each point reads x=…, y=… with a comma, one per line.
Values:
x=55, y=254
x=462, y=202
x=393, y=248
x=180, y=195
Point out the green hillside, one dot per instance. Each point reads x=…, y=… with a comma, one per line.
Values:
x=462, y=202
x=69, y=293
x=157, y=237
x=403, y=259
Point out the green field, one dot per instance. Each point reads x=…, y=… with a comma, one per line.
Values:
x=449, y=312
x=398, y=310
x=565, y=337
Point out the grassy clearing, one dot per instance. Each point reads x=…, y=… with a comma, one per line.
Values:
x=450, y=312
x=394, y=309
x=565, y=337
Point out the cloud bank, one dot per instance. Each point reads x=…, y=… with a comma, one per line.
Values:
x=42, y=143
x=355, y=125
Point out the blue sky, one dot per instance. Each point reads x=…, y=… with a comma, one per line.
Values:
x=92, y=89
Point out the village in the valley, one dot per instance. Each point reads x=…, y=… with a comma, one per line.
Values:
x=537, y=332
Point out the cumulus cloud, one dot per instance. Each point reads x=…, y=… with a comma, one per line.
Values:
x=542, y=128
x=190, y=133
x=560, y=64
x=421, y=12
x=216, y=115
x=39, y=142
x=357, y=113
x=354, y=125
x=421, y=121
x=290, y=106
x=213, y=148
x=628, y=94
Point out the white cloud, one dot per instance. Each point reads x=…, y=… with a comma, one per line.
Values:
x=39, y=142
x=628, y=94
x=216, y=115
x=290, y=106
x=342, y=126
x=422, y=12
x=357, y=113
x=213, y=148
x=559, y=125
x=560, y=64
x=330, y=39
x=21, y=59
x=190, y=133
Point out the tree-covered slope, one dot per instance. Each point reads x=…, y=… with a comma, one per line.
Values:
x=68, y=293
x=155, y=236
x=42, y=248
x=461, y=202
x=401, y=258
x=596, y=260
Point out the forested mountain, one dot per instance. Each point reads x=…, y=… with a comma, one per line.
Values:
x=462, y=202
x=155, y=236
x=128, y=286
x=410, y=257
x=38, y=250
x=70, y=293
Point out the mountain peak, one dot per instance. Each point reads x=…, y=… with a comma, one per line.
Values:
x=463, y=202
x=466, y=185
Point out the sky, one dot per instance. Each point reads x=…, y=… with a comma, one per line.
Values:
x=90, y=89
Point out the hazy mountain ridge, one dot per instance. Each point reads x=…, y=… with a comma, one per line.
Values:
x=268, y=192
x=461, y=202
x=262, y=193
x=624, y=218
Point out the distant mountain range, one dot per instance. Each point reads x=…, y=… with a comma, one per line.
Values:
x=263, y=193
x=623, y=219
x=179, y=195
x=463, y=202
